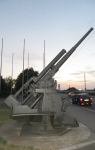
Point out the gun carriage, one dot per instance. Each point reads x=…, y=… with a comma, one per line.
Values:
x=43, y=106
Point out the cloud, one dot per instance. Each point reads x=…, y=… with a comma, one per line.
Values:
x=88, y=68
x=18, y=60
x=92, y=55
x=59, y=78
x=79, y=84
x=82, y=72
x=91, y=72
x=76, y=73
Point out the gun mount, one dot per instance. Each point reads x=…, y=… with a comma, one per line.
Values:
x=43, y=105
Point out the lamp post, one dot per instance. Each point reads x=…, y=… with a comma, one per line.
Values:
x=85, y=82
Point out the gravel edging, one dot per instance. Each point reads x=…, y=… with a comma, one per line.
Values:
x=11, y=132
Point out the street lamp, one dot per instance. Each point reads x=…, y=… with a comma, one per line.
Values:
x=85, y=82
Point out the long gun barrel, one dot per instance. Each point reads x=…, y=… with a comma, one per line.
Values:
x=64, y=58
x=49, y=66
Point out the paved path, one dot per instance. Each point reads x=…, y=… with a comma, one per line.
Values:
x=82, y=146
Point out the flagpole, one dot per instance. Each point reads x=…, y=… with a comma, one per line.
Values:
x=44, y=53
x=43, y=61
x=23, y=69
x=28, y=68
x=28, y=73
x=1, y=65
x=12, y=72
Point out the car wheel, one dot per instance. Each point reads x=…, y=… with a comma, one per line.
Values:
x=79, y=104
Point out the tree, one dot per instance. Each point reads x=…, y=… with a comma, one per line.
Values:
x=3, y=84
x=30, y=72
x=8, y=81
x=6, y=85
x=72, y=89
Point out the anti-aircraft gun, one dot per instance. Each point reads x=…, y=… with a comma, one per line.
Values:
x=43, y=105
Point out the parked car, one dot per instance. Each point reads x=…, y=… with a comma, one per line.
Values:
x=82, y=99
x=71, y=94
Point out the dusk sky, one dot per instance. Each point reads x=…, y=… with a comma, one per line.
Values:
x=61, y=23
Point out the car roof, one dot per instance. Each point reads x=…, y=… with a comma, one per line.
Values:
x=82, y=94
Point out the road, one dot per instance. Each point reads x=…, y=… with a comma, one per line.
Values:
x=84, y=115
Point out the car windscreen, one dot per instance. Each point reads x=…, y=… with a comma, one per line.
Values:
x=85, y=96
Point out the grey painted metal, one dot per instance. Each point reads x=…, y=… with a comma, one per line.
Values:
x=26, y=84
x=49, y=66
x=46, y=91
x=52, y=102
x=64, y=58
x=43, y=72
x=67, y=119
x=27, y=98
x=36, y=101
x=23, y=110
x=11, y=101
x=43, y=96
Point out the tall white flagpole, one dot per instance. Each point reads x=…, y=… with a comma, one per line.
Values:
x=28, y=68
x=28, y=72
x=44, y=53
x=1, y=65
x=23, y=69
x=12, y=72
x=43, y=61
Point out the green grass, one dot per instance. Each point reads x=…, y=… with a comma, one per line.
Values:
x=9, y=146
x=5, y=113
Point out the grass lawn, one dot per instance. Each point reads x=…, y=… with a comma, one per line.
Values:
x=5, y=113
x=7, y=146
x=5, y=117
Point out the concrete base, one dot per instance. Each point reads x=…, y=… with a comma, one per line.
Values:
x=42, y=129
x=11, y=132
